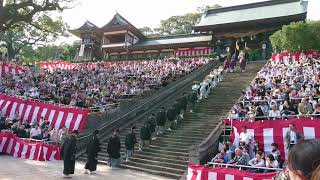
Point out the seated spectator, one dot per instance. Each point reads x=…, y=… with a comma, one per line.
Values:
x=238, y=159
x=46, y=135
x=258, y=161
x=303, y=163
x=271, y=162
x=220, y=157
x=245, y=153
x=35, y=133
x=275, y=152
x=274, y=112
x=21, y=132
x=44, y=123
x=256, y=149
x=287, y=109
x=232, y=147
x=304, y=107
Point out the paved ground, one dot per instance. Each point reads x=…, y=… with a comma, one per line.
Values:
x=12, y=168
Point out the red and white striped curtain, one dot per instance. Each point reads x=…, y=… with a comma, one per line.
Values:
x=10, y=69
x=193, y=52
x=31, y=112
x=204, y=173
x=19, y=148
x=294, y=55
x=66, y=65
x=274, y=131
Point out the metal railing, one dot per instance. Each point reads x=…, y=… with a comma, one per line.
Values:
x=243, y=166
x=282, y=117
x=37, y=140
x=143, y=106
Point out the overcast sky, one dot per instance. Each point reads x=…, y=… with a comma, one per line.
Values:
x=148, y=13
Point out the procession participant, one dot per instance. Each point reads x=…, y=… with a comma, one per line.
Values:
x=113, y=149
x=161, y=119
x=145, y=137
x=171, y=115
x=93, y=148
x=130, y=142
x=68, y=154
x=183, y=104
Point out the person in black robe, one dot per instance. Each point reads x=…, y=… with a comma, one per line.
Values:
x=92, y=153
x=68, y=153
x=161, y=119
x=113, y=149
x=130, y=142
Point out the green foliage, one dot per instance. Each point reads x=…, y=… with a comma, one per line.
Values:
x=298, y=36
x=46, y=30
x=178, y=24
x=173, y=25
x=18, y=13
x=50, y=52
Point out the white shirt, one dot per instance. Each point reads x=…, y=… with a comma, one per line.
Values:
x=293, y=137
x=273, y=164
x=245, y=137
x=275, y=113
x=35, y=132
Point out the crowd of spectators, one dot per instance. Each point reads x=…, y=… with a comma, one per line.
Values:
x=99, y=86
x=282, y=89
x=250, y=153
x=42, y=131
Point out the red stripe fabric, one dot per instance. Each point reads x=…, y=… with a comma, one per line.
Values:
x=223, y=173
x=279, y=129
x=43, y=106
x=38, y=154
x=10, y=69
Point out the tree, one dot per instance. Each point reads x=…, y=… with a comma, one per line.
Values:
x=18, y=13
x=146, y=31
x=178, y=24
x=297, y=36
x=16, y=39
x=49, y=52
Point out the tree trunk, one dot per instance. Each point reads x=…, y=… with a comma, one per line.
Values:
x=11, y=52
x=2, y=19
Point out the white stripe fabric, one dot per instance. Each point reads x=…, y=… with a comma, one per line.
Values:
x=229, y=177
x=32, y=111
x=16, y=149
x=21, y=109
x=32, y=151
x=212, y=176
x=236, y=137
x=76, y=125
x=4, y=109
x=268, y=139
x=69, y=119
x=45, y=151
x=309, y=133
x=26, y=114
x=35, y=114
x=59, y=119
x=284, y=132
x=13, y=110
x=24, y=151
x=4, y=140
x=51, y=115
x=10, y=146
x=52, y=156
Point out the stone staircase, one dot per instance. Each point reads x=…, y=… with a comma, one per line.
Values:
x=168, y=155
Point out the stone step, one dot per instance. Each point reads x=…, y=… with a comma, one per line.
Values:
x=158, y=163
x=168, y=148
x=157, y=158
x=167, y=152
x=155, y=172
x=155, y=167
